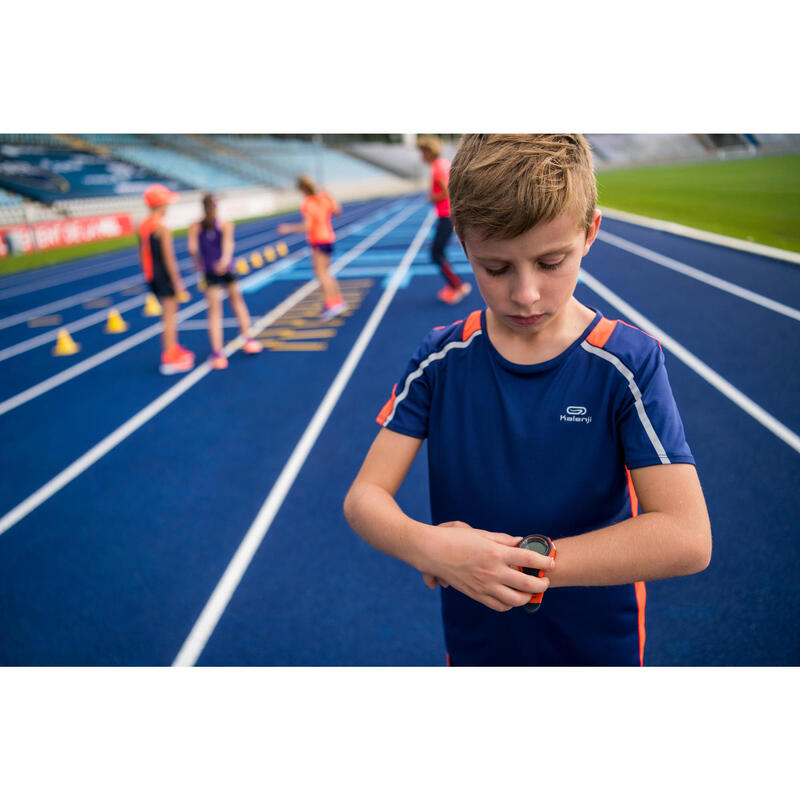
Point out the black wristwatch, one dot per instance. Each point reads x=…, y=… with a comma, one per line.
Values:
x=545, y=547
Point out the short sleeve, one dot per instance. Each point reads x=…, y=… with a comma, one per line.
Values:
x=408, y=408
x=650, y=426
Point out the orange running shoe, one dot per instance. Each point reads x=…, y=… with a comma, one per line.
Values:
x=175, y=360
x=447, y=294
x=252, y=347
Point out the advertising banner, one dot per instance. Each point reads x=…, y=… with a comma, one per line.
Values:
x=62, y=233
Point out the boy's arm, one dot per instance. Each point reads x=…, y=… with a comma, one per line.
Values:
x=294, y=227
x=439, y=192
x=165, y=237
x=672, y=535
x=481, y=564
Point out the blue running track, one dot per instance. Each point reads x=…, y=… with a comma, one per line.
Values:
x=117, y=526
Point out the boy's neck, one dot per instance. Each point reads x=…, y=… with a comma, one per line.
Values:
x=544, y=344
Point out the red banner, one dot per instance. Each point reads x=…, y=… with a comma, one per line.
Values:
x=63, y=232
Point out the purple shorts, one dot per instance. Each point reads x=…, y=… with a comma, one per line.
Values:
x=323, y=247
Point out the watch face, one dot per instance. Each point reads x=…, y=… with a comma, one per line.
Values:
x=537, y=544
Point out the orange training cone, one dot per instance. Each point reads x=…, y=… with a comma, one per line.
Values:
x=115, y=322
x=65, y=345
x=241, y=266
x=269, y=253
x=202, y=284
x=256, y=260
x=152, y=308
x=282, y=249
x=183, y=297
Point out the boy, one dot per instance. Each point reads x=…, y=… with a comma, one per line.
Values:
x=430, y=148
x=210, y=243
x=161, y=273
x=542, y=417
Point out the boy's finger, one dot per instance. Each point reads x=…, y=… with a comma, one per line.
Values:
x=527, y=584
x=519, y=557
x=504, y=538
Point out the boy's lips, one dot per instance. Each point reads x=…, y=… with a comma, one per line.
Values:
x=526, y=320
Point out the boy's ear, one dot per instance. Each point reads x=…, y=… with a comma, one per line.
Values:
x=593, y=228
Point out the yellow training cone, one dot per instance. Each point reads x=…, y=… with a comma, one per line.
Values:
x=152, y=308
x=202, y=285
x=282, y=248
x=269, y=253
x=115, y=322
x=241, y=266
x=183, y=297
x=65, y=345
x=256, y=260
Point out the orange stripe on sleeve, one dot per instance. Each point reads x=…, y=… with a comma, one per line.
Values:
x=601, y=332
x=472, y=324
x=387, y=408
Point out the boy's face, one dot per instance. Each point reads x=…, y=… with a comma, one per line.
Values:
x=528, y=281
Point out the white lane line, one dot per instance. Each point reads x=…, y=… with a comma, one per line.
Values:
x=220, y=597
x=84, y=322
x=704, y=236
x=67, y=475
x=747, y=405
x=697, y=274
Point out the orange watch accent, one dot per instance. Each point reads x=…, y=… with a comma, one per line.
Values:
x=546, y=547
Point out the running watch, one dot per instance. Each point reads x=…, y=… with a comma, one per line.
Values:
x=545, y=547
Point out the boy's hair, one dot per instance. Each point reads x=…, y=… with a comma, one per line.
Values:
x=433, y=144
x=505, y=184
x=305, y=184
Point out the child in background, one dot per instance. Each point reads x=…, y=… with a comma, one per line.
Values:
x=210, y=243
x=157, y=257
x=316, y=210
x=431, y=148
x=542, y=417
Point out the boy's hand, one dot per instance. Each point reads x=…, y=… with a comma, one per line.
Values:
x=485, y=566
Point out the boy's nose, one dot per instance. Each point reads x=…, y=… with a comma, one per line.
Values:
x=525, y=292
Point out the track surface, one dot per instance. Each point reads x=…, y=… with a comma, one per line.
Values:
x=114, y=564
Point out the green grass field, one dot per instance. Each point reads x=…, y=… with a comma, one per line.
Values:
x=756, y=199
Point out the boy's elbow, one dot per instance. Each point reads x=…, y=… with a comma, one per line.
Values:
x=350, y=504
x=697, y=553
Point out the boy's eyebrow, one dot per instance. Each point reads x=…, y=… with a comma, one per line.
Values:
x=553, y=252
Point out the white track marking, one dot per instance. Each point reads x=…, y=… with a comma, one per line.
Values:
x=67, y=475
x=215, y=607
x=773, y=425
x=699, y=275
x=703, y=236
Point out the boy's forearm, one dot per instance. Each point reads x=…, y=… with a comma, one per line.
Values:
x=648, y=547
x=375, y=516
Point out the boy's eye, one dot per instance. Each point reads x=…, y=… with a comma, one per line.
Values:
x=551, y=264
x=496, y=271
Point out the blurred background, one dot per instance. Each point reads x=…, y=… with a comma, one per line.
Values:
x=83, y=191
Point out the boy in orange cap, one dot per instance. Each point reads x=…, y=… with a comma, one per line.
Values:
x=161, y=273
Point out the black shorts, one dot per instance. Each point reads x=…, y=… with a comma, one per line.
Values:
x=212, y=279
x=323, y=247
x=161, y=285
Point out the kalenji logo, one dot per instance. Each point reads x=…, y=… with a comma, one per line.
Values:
x=575, y=414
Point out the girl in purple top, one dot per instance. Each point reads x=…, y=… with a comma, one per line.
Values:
x=210, y=243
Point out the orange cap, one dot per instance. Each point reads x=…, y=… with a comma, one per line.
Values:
x=158, y=195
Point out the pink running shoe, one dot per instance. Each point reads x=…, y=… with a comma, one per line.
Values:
x=252, y=347
x=218, y=361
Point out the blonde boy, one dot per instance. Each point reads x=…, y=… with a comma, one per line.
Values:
x=542, y=417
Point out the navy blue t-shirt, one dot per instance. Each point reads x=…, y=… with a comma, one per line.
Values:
x=541, y=448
